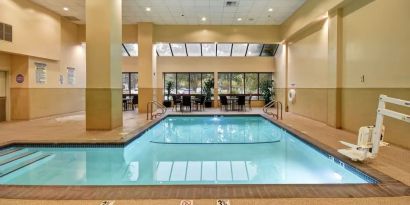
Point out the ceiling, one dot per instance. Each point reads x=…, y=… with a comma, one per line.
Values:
x=189, y=12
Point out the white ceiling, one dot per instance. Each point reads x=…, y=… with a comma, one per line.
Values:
x=169, y=12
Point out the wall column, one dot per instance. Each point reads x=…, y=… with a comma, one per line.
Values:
x=103, y=55
x=146, y=70
x=334, y=68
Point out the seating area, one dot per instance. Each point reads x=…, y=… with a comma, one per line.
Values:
x=188, y=103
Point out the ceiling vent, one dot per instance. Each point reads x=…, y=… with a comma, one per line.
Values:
x=71, y=18
x=6, y=32
x=231, y=4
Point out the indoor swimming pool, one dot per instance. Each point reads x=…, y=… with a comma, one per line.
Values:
x=183, y=150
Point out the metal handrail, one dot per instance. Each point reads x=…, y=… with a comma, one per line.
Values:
x=278, y=106
x=150, y=111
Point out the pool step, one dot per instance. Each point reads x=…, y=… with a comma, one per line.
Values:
x=16, y=157
x=9, y=151
x=23, y=164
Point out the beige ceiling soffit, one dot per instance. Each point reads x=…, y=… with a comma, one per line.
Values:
x=331, y=12
x=307, y=29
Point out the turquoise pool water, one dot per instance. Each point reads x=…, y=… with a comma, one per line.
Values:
x=183, y=150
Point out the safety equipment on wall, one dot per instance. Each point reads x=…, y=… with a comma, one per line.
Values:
x=371, y=138
x=291, y=95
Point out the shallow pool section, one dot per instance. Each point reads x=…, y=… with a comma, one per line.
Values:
x=183, y=150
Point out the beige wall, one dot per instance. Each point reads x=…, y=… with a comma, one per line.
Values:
x=376, y=46
x=371, y=44
x=28, y=19
x=5, y=61
x=307, y=72
x=256, y=34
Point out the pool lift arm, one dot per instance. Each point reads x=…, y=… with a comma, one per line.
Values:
x=371, y=138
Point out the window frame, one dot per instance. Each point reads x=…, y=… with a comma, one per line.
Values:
x=129, y=83
x=189, y=82
x=258, y=94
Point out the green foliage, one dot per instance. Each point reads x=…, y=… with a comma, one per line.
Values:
x=207, y=89
x=169, y=86
x=267, y=90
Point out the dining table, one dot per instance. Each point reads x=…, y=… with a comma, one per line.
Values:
x=232, y=101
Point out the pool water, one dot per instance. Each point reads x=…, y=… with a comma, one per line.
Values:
x=184, y=150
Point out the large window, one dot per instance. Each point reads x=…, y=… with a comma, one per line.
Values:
x=186, y=83
x=242, y=83
x=129, y=83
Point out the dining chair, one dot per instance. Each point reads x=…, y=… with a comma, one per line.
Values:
x=223, y=101
x=241, y=102
x=176, y=102
x=186, y=102
x=200, y=102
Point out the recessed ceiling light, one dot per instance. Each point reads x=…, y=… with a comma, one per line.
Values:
x=66, y=9
x=148, y=9
x=270, y=9
x=239, y=19
x=203, y=19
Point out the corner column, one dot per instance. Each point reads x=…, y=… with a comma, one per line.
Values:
x=334, y=68
x=103, y=60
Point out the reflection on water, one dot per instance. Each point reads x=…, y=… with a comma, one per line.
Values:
x=199, y=161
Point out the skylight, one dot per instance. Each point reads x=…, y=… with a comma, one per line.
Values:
x=215, y=49
x=254, y=49
x=164, y=49
x=239, y=49
x=224, y=49
x=130, y=48
x=193, y=49
x=208, y=49
x=178, y=49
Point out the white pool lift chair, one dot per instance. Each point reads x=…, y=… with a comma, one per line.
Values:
x=370, y=138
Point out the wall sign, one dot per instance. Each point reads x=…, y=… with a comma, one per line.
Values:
x=41, y=73
x=70, y=76
x=20, y=78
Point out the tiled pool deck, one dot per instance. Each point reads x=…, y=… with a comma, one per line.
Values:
x=392, y=172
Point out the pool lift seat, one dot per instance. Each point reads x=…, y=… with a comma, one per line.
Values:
x=371, y=137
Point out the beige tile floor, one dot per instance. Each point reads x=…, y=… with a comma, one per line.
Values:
x=392, y=160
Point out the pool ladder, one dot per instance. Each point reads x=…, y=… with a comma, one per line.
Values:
x=279, y=109
x=150, y=110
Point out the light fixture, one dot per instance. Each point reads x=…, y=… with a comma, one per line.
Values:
x=203, y=18
x=239, y=19
x=270, y=9
x=66, y=9
x=148, y=9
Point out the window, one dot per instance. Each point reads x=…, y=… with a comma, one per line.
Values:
x=224, y=83
x=242, y=83
x=224, y=49
x=193, y=49
x=130, y=49
x=211, y=49
x=239, y=49
x=178, y=49
x=183, y=83
x=163, y=49
x=254, y=49
x=208, y=49
x=129, y=83
x=186, y=83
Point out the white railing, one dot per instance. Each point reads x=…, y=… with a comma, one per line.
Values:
x=279, y=109
x=150, y=109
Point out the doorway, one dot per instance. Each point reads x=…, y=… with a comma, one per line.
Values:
x=3, y=98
